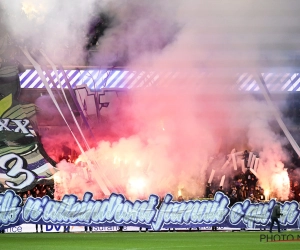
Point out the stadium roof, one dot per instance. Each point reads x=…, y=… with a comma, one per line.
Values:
x=97, y=79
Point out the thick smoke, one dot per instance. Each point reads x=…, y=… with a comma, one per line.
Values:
x=58, y=27
x=165, y=136
x=62, y=28
x=137, y=27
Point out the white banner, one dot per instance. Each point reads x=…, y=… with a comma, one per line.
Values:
x=30, y=228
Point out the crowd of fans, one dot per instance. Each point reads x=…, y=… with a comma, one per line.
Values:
x=38, y=192
x=244, y=186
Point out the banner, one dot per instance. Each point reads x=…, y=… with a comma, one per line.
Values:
x=23, y=160
x=153, y=213
x=31, y=228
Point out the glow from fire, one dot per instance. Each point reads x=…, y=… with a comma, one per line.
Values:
x=137, y=183
x=80, y=161
x=267, y=194
x=280, y=185
x=57, y=178
x=136, y=187
x=179, y=192
x=126, y=166
x=77, y=160
x=273, y=177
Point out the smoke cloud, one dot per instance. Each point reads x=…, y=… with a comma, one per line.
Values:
x=162, y=138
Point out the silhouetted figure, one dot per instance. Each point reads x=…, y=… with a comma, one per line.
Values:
x=274, y=217
x=66, y=229
x=88, y=228
x=246, y=157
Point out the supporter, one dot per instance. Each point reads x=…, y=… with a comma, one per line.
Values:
x=296, y=191
x=66, y=229
x=262, y=194
x=238, y=183
x=246, y=193
x=220, y=189
x=29, y=194
x=49, y=192
x=141, y=228
x=251, y=197
x=208, y=190
x=210, y=196
x=256, y=192
x=240, y=193
x=251, y=191
x=38, y=194
x=248, y=176
x=233, y=197
x=275, y=216
x=246, y=157
x=24, y=198
x=86, y=228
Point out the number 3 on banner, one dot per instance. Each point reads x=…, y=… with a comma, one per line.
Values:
x=16, y=170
